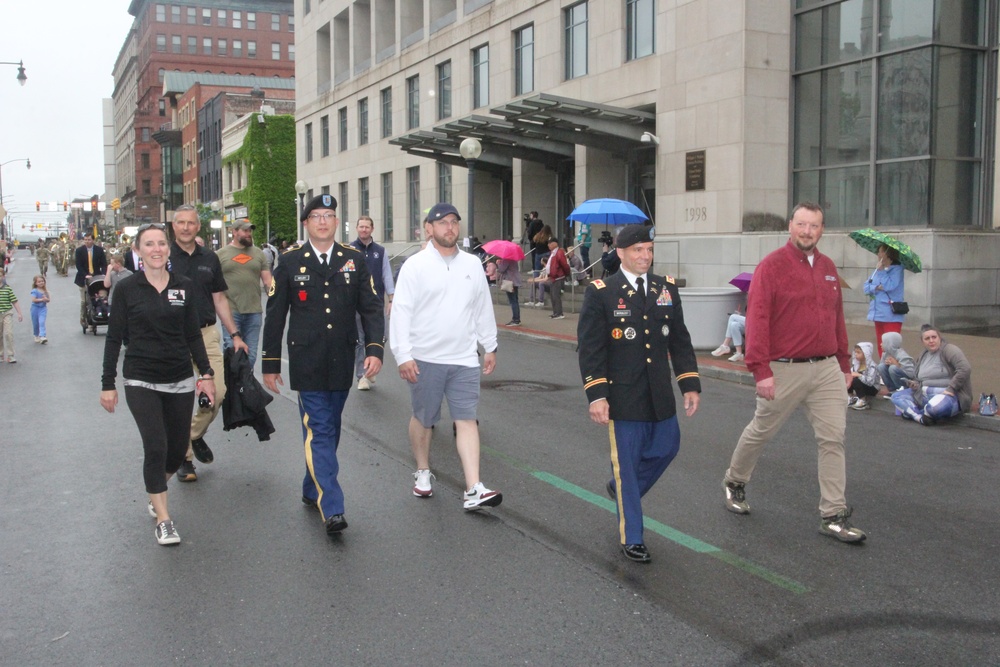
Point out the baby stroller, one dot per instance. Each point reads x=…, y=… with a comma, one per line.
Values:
x=97, y=312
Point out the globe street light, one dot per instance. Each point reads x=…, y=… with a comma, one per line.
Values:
x=471, y=149
x=300, y=187
x=22, y=78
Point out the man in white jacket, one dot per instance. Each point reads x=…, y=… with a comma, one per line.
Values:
x=441, y=313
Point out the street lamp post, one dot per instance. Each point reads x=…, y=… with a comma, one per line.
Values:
x=4, y=216
x=22, y=78
x=471, y=149
x=300, y=187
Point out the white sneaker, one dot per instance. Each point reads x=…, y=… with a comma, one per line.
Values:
x=861, y=404
x=721, y=351
x=736, y=357
x=364, y=384
x=539, y=304
x=422, y=484
x=166, y=534
x=479, y=497
x=149, y=508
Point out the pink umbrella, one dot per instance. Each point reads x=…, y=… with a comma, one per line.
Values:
x=742, y=281
x=504, y=249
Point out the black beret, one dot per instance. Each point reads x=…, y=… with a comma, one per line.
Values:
x=320, y=201
x=632, y=234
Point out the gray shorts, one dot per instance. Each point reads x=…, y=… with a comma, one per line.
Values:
x=458, y=384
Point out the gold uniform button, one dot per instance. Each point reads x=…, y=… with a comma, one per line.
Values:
x=326, y=296
x=647, y=333
x=328, y=310
x=649, y=361
x=645, y=317
x=326, y=284
x=329, y=326
x=647, y=344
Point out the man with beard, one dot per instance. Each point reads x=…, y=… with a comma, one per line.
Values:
x=245, y=269
x=190, y=259
x=442, y=314
x=798, y=353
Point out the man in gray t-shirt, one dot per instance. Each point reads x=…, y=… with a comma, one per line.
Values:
x=245, y=269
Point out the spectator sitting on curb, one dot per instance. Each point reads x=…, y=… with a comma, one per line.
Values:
x=736, y=329
x=897, y=366
x=943, y=384
x=864, y=377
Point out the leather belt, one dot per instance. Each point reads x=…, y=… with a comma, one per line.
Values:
x=803, y=360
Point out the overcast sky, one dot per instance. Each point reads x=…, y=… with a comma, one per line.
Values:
x=69, y=49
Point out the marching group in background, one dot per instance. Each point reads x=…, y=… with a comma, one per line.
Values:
x=163, y=295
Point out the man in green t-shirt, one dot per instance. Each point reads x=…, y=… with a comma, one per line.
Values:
x=245, y=270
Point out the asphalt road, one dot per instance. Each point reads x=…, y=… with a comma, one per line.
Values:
x=537, y=581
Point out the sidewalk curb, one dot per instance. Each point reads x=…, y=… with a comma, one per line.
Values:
x=709, y=367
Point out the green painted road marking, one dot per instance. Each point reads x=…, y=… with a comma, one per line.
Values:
x=662, y=529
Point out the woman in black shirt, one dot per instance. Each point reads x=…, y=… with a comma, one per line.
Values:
x=154, y=312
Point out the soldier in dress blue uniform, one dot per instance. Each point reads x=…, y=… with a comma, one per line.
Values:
x=322, y=284
x=629, y=323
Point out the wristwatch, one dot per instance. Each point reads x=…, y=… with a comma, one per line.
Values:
x=236, y=333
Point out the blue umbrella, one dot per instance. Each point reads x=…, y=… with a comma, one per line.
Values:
x=608, y=212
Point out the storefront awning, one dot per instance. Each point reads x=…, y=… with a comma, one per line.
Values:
x=543, y=128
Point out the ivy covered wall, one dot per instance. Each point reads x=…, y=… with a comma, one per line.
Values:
x=268, y=151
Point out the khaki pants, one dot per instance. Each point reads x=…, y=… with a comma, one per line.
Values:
x=821, y=388
x=203, y=418
x=7, y=335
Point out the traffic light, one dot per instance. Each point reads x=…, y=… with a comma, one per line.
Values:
x=38, y=206
x=65, y=206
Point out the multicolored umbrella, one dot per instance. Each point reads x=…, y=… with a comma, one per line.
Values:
x=871, y=240
x=607, y=212
x=504, y=249
x=742, y=281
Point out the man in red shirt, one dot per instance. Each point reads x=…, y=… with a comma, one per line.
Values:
x=798, y=352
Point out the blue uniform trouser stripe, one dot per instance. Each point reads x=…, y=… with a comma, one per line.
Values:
x=640, y=453
x=320, y=412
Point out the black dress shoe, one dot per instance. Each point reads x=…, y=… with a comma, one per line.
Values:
x=611, y=490
x=337, y=523
x=310, y=503
x=636, y=552
x=202, y=451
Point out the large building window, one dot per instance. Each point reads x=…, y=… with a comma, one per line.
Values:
x=275, y=22
x=888, y=111
x=524, y=60
x=640, y=20
x=575, y=20
x=444, y=90
x=251, y=49
x=481, y=76
x=192, y=46
x=275, y=51
x=308, y=139
x=386, y=96
x=444, y=181
x=206, y=46
x=237, y=48
x=175, y=43
x=237, y=20
x=324, y=136
x=175, y=14
x=206, y=17
x=412, y=102
x=363, y=197
x=342, y=128
x=387, y=206
x=161, y=13
x=192, y=16
x=343, y=212
x=161, y=43
x=363, y=121
x=413, y=213
x=251, y=20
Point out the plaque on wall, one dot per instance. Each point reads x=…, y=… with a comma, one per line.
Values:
x=694, y=170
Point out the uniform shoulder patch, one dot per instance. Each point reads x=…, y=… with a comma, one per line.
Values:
x=669, y=279
x=291, y=249
x=599, y=284
x=348, y=247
